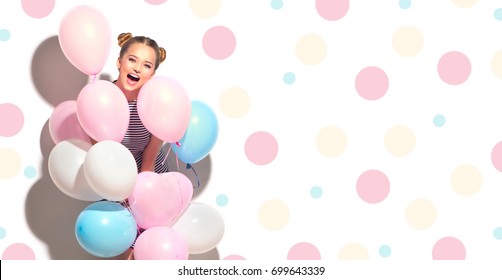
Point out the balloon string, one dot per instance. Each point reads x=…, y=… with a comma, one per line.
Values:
x=165, y=157
x=194, y=172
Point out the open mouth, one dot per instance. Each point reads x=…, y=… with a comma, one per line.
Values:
x=133, y=77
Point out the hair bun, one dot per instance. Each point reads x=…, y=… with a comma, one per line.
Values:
x=123, y=38
x=162, y=53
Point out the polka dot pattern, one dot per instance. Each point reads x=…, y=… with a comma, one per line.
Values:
x=18, y=251
x=15, y=118
x=373, y=186
x=304, y=251
x=421, y=214
x=400, y=140
x=349, y=138
x=219, y=42
x=448, y=248
x=38, y=8
x=353, y=251
x=274, y=215
x=331, y=141
x=454, y=68
x=205, y=9
x=466, y=180
x=235, y=102
x=10, y=163
x=311, y=49
x=4, y=35
x=408, y=41
x=261, y=148
x=372, y=83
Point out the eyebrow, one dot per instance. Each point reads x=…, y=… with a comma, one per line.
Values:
x=137, y=58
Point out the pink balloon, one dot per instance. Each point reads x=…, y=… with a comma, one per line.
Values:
x=64, y=124
x=156, y=200
x=103, y=111
x=85, y=39
x=160, y=243
x=185, y=188
x=164, y=108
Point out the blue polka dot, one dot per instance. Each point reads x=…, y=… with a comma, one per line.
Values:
x=384, y=251
x=4, y=35
x=30, y=172
x=2, y=232
x=439, y=120
x=289, y=78
x=222, y=200
x=404, y=4
x=498, y=14
x=276, y=4
x=497, y=233
x=316, y=192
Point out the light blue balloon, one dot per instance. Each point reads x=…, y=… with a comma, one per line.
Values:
x=200, y=136
x=105, y=229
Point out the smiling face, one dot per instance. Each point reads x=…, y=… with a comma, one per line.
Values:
x=136, y=67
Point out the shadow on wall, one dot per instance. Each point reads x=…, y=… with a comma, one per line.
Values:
x=54, y=77
x=50, y=214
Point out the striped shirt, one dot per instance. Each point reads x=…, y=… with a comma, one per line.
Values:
x=137, y=137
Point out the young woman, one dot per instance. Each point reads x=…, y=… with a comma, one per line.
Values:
x=139, y=58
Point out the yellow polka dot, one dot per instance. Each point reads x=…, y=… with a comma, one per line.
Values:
x=420, y=214
x=353, y=251
x=205, y=8
x=10, y=163
x=497, y=64
x=464, y=3
x=235, y=102
x=331, y=141
x=273, y=214
x=311, y=49
x=400, y=140
x=466, y=180
x=408, y=41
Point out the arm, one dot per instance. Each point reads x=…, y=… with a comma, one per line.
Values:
x=150, y=154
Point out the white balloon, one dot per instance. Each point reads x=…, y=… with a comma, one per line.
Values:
x=65, y=165
x=111, y=170
x=201, y=226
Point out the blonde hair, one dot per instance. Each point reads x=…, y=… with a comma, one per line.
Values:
x=125, y=40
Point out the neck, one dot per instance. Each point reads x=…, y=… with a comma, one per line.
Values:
x=130, y=95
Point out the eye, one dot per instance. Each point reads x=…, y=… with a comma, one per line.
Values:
x=132, y=59
x=148, y=66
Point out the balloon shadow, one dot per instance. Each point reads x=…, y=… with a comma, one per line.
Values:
x=199, y=173
x=54, y=77
x=209, y=255
x=51, y=214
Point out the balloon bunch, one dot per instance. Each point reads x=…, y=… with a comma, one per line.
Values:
x=125, y=202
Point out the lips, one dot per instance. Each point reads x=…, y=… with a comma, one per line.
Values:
x=133, y=77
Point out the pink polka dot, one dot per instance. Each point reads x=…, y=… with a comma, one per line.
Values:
x=18, y=251
x=304, y=251
x=372, y=83
x=497, y=156
x=219, y=42
x=234, y=258
x=454, y=68
x=261, y=148
x=155, y=2
x=373, y=186
x=448, y=248
x=12, y=119
x=38, y=8
x=332, y=9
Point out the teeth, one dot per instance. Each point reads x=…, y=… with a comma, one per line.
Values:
x=133, y=77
